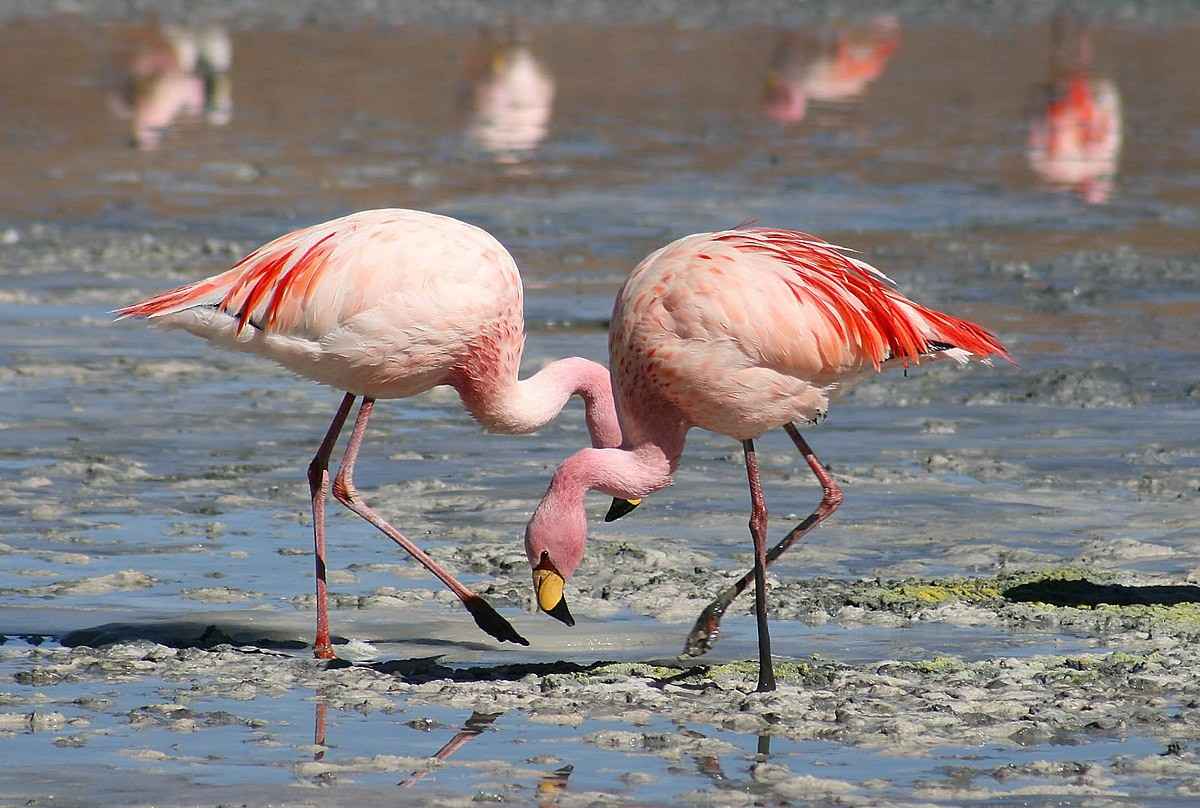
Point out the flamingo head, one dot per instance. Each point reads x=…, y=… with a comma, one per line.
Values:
x=554, y=542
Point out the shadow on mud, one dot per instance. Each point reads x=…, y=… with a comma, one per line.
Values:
x=179, y=634
x=1057, y=592
x=428, y=669
x=207, y=635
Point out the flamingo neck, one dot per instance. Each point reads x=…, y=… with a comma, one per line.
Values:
x=558, y=526
x=502, y=403
x=654, y=432
x=628, y=473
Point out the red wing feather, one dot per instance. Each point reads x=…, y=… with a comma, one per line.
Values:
x=860, y=303
x=259, y=276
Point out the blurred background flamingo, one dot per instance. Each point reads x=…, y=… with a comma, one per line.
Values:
x=836, y=66
x=738, y=332
x=388, y=304
x=1075, y=139
x=173, y=72
x=510, y=94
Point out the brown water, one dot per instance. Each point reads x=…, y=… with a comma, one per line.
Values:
x=144, y=475
x=673, y=124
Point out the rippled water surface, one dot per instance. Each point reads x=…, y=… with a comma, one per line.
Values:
x=1039, y=177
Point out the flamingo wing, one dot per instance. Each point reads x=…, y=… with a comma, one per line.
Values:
x=745, y=330
x=854, y=311
x=311, y=281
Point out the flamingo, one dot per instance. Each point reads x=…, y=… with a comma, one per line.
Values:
x=836, y=68
x=512, y=100
x=388, y=304
x=1075, y=140
x=737, y=332
x=175, y=72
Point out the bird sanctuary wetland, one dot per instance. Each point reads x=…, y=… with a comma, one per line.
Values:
x=1004, y=611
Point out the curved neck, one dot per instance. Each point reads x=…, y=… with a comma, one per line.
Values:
x=653, y=431
x=558, y=526
x=503, y=404
x=628, y=473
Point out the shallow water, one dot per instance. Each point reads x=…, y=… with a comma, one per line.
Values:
x=144, y=476
x=153, y=739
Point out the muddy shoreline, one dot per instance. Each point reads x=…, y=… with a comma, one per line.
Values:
x=1063, y=648
x=1136, y=684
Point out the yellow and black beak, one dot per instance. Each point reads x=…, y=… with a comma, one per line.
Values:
x=621, y=507
x=548, y=585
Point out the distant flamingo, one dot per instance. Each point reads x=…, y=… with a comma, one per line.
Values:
x=1075, y=139
x=737, y=332
x=388, y=304
x=838, y=67
x=511, y=98
x=175, y=72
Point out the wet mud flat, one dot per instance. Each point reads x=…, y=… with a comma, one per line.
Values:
x=1114, y=724
x=1020, y=626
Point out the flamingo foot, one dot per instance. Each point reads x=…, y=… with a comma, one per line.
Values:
x=491, y=621
x=324, y=652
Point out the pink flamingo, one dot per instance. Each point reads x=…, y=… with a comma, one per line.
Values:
x=175, y=72
x=838, y=67
x=737, y=332
x=1075, y=140
x=388, y=304
x=513, y=100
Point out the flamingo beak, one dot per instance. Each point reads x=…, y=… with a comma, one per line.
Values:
x=549, y=587
x=621, y=507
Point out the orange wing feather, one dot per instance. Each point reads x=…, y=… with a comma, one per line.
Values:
x=259, y=276
x=860, y=303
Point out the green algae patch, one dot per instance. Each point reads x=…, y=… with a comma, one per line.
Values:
x=786, y=671
x=641, y=669
x=962, y=590
x=1179, y=617
x=937, y=666
x=1056, y=586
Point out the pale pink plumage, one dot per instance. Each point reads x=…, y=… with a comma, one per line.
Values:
x=737, y=332
x=513, y=102
x=387, y=304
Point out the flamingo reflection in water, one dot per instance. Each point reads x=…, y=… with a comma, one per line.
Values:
x=1075, y=137
x=549, y=788
x=836, y=66
x=510, y=95
x=474, y=726
x=175, y=72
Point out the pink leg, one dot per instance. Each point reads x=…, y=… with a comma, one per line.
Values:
x=704, y=633
x=344, y=491
x=318, y=483
x=758, y=530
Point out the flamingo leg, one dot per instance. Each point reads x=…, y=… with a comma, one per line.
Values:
x=344, y=492
x=708, y=625
x=318, y=484
x=758, y=530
